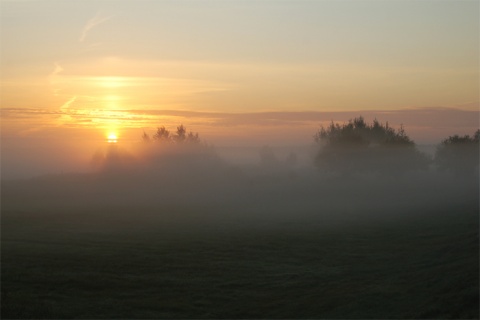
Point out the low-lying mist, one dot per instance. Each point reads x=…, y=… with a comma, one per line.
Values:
x=278, y=186
x=183, y=231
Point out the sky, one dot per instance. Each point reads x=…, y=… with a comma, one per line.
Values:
x=238, y=72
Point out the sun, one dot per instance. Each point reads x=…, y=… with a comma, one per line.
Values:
x=112, y=138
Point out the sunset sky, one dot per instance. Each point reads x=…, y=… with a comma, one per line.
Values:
x=235, y=71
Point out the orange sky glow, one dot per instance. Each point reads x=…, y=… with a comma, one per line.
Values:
x=239, y=73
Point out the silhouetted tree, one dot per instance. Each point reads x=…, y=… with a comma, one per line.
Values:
x=181, y=152
x=162, y=135
x=193, y=138
x=145, y=137
x=361, y=147
x=459, y=155
x=181, y=136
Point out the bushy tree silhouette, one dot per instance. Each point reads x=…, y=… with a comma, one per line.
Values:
x=459, y=155
x=180, y=136
x=361, y=147
x=162, y=135
x=193, y=138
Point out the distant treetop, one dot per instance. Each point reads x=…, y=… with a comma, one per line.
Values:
x=181, y=136
x=357, y=146
x=358, y=132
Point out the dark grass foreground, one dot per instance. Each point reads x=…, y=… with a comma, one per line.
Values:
x=89, y=264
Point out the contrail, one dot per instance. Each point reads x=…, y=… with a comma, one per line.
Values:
x=95, y=21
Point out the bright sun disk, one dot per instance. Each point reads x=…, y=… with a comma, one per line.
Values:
x=112, y=138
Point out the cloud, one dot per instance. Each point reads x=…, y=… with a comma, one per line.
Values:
x=431, y=117
x=57, y=69
x=53, y=78
x=95, y=21
x=423, y=125
x=68, y=103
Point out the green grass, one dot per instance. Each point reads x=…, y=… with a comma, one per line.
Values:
x=92, y=264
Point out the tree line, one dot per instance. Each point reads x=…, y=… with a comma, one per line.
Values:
x=361, y=147
x=358, y=146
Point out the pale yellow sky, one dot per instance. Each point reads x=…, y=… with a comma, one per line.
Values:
x=239, y=56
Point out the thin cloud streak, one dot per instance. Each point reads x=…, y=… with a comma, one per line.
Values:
x=95, y=21
x=416, y=116
x=424, y=124
x=57, y=69
x=68, y=103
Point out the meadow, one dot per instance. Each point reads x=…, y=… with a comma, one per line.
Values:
x=338, y=251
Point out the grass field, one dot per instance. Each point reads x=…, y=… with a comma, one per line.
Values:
x=90, y=263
